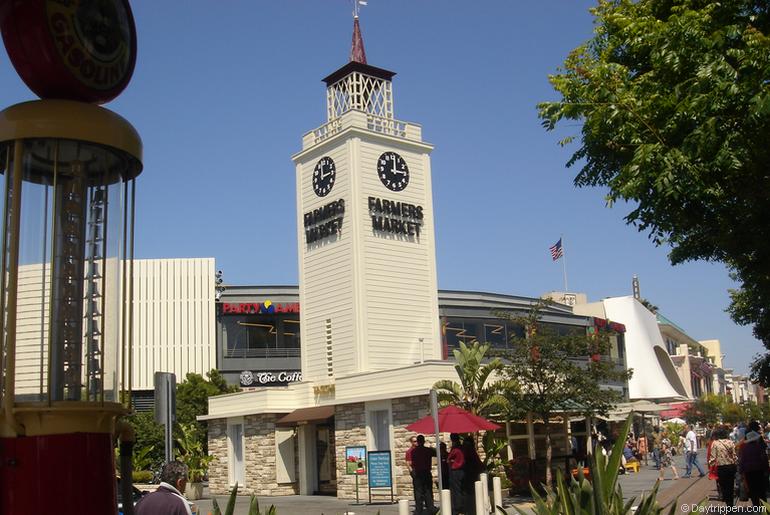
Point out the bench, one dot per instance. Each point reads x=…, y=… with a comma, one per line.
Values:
x=632, y=466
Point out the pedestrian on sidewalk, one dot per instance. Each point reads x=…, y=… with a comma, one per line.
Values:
x=456, y=461
x=167, y=499
x=754, y=467
x=666, y=458
x=422, y=462
x=722, y=456
x=657, y=436
x=472, y=469
x=691, y=453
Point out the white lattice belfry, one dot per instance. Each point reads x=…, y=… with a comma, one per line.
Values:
x=362, y=92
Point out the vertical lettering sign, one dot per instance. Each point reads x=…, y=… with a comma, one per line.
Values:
x=380, y=474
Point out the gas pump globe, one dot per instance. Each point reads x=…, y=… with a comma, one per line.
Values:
x=67, y=173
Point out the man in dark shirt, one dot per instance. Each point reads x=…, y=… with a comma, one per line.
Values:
x=167, y=499
x=422, y=462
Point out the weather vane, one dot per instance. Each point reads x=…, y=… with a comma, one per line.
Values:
x=356, y=3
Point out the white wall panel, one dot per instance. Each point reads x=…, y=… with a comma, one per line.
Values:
x=173, y=318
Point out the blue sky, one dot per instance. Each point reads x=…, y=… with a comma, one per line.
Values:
x=223, y=92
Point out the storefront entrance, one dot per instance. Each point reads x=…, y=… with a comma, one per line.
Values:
x=316, y=465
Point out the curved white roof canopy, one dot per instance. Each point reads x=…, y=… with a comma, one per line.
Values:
x=654, y=376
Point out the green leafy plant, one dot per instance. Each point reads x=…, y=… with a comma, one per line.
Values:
x=191, y=453
x=601, y=495
x=493, y=445
x=674, y=432
x=478, y=391
x=142, y=458
x=253, y=505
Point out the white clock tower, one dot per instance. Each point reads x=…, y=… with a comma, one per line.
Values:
x=366, y=237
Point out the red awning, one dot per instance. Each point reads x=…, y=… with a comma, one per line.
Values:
x=675, y=409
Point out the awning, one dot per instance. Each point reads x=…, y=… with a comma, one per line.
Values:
x=675, y=409
x=645, y=406
x=304, y=415
x=621, y=411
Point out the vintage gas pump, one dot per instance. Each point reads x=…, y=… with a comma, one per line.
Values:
x=67, y=171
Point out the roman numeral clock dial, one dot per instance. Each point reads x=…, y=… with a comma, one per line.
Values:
x=324, y=175
x=393, y=172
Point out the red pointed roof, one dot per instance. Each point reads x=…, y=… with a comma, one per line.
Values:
x=357, y=52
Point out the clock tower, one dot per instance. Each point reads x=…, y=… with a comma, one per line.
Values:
x=365, y=232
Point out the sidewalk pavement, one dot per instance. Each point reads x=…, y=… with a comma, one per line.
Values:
x=634, y=485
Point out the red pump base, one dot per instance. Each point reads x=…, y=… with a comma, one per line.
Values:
x=68, y=474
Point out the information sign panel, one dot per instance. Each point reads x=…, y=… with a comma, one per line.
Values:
x=380, y=475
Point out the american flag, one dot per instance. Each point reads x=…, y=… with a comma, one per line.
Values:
x=556, y=250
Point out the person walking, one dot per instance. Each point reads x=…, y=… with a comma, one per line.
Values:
x=422, y=462
x=456, y=461
x=666, y=458
x=713, y=476
x=691, y=453
x=167, y=499
x=409, y=466
x=754, y=467
x=722, y=456
x=657, y=436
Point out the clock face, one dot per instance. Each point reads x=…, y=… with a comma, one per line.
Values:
x=323, y=176
x=393, y=172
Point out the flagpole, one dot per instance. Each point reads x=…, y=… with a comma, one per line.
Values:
x=564, y=264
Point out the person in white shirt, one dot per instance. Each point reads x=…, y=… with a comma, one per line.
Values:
x=691, y=453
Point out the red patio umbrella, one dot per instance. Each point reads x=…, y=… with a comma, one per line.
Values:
x=453, y=420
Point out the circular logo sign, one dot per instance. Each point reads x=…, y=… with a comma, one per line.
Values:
x=75, y=49
x=247, y=378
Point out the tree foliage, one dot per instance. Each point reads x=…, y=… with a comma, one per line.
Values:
x=713, y=408
x=478, y=390
x=192, y=399
x=708, y=409
x=560, y=372
x=192, y=396
x=150, y=441
x=674, y=96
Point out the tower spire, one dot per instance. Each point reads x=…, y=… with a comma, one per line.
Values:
x=357, y=52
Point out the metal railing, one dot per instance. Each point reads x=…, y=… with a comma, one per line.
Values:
x=262, y=353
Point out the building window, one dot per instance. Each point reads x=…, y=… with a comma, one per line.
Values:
x=381, y=430
x=261, y=335
x=671, y=347
x=378, y=425
x=235, y=451
x=697, y=391
x=495, y=332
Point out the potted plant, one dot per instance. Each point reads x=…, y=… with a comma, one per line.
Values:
x=190, y=452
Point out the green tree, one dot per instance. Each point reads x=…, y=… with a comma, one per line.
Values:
x=753, y=411
x=733, y=413
x=149, y=435
x=560, y=373
x=708, y=409
x=192, y=400
x=674, y=99
x=478, y=391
